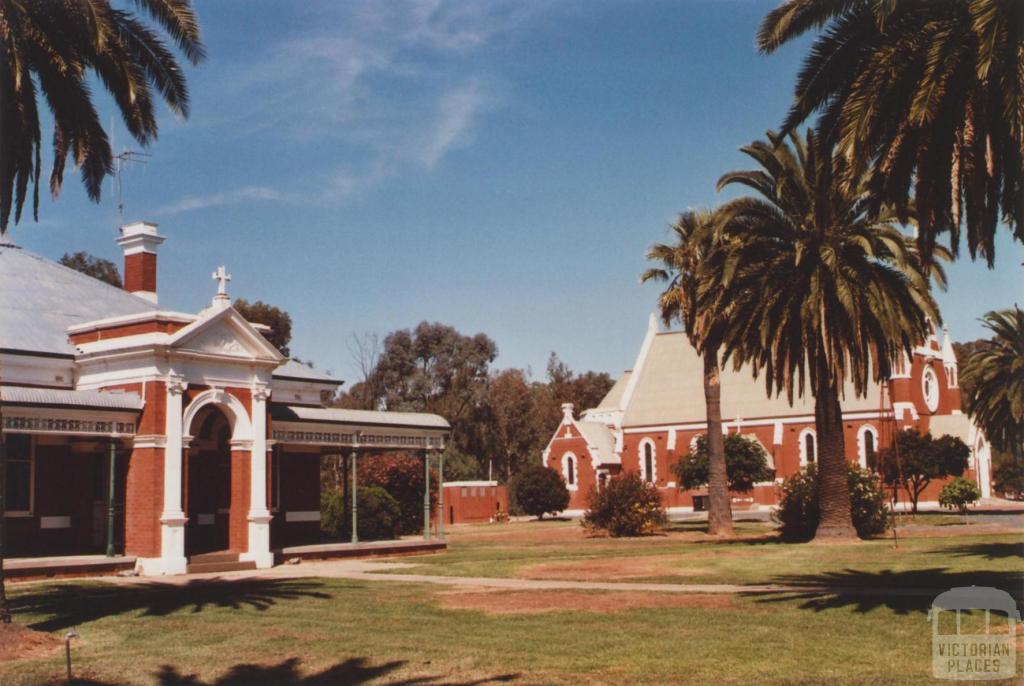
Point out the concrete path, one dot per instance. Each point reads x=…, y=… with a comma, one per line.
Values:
x=363, y=570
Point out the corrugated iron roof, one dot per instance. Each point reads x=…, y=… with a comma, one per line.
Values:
x=40, y=299
x=96, y=400
x=670, y=390
x=336, y=415
x=293, y=369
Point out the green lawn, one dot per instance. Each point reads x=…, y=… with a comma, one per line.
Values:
x=329, y=631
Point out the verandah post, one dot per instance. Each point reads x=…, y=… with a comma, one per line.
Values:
x=355, y=506
x=440, y=495
x=110, y=498
x=426, y=495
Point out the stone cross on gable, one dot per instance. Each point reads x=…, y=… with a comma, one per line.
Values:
x=222, y=277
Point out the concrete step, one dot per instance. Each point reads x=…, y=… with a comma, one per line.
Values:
x=215, y=556
x=225, y=566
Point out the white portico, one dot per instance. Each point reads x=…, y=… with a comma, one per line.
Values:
x=179, y=408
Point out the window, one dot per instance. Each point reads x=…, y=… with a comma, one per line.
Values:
x=867, y=447
x=18, y=496
x=569, y=471
x=930, y=388
x=648, y=463
x=808, y=447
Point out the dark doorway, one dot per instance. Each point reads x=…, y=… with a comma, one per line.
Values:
x=208, y=493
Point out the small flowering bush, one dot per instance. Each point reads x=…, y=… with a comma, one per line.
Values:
x=959, y=494
x=626, y=506
x=797, y=513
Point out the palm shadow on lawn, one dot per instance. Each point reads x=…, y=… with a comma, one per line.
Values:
x=68, y=605
x=902, y=592
x=357, y=670
x=989, y=551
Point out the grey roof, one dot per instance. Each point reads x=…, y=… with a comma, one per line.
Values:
x=21, y=395
x=600, y=440
x=293, y=369
x=670, y=390
x=40, y=299
x=336, y=415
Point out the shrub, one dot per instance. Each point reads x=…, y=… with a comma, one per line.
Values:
x=626, y=506
x=745, y=464
x=797, y=513
x=916, y=459
x=538, y=490
x=1008, y=475
x=401, y=475
x=958, y=494
x=379, y=515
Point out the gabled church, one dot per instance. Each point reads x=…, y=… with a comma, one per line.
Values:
x=162, y=435
x=655, y=412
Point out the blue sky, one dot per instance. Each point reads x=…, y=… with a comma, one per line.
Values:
x=501, y=167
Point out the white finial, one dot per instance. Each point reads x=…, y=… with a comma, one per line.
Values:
x=222, y=277
x=567, y=413
x=652, y=322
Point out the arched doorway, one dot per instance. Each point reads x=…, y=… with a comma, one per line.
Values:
x=208, y=483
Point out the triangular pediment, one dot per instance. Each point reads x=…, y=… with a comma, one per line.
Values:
x=225, y=333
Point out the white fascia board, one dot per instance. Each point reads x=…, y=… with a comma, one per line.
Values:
x=122, y=320
x=37, y=371
x=124, y=343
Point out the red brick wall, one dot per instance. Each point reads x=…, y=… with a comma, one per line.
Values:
x=238, y=518
x=144, y=501
x=140, y=272
x=300, y=492
x=464, y=504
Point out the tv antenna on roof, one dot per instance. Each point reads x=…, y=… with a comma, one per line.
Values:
x=125, y=158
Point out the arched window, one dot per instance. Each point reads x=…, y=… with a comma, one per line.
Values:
x=648, y=461
x=930, y=389
x=808, y=447
x=867, y=447
x=570, y=471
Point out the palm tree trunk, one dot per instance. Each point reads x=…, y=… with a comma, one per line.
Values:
x=719, y=507
x=836, y=520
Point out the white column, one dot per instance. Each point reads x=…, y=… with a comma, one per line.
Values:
x=172, y=520
x=259, y=515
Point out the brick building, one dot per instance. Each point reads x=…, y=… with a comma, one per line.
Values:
x=654, y=412
x=163, y=435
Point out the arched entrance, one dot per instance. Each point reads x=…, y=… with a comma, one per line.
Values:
x=208, y=483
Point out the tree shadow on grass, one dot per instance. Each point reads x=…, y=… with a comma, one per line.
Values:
x=989, y=551
x=68, y=605
x=358, y=670
x=900, y=591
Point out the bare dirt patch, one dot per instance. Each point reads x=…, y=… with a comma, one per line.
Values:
x=608, y=569
x=18, y=642
x=499, y=602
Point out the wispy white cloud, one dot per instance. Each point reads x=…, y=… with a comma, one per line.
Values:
x=457, y=110
x=231, y=197
x=372, y=91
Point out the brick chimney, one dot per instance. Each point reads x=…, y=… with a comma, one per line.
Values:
x=139, y=240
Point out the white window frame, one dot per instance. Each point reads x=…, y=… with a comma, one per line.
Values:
x=862, y=449
x=13, y=514
x=932, y=403
x=575, y=471
x=802, y=442
x=643, y=462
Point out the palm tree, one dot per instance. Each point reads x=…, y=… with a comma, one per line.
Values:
x=922, y=92
x=821, y=290
x=687, y=301
x=48, y=48
x=995, y=373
